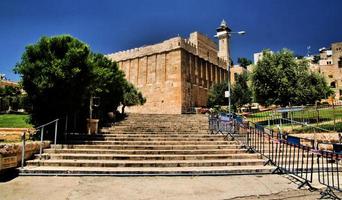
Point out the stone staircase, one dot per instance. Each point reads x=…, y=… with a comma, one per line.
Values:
x=149, y=145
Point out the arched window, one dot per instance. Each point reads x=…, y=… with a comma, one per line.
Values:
x=333, y=84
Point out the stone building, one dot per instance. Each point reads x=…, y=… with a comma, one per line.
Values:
x=330, y=65
x=175, y=75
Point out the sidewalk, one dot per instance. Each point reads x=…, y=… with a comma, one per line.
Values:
x=203, y=187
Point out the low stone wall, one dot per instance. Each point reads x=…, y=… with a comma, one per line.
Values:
x=14, y=134
x=321, y=138
x=10, y=154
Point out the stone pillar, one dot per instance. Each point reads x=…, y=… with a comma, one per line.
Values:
x=199, y=67
x=218, y=75
x=204, y=74
x=193, y=75
x=209, y=74
x=196, y=71
x=213, y=67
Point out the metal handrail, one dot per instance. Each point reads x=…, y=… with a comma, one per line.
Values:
x=47, y=123
x=41, y=130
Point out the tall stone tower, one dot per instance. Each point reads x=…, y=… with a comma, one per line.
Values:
x=223, y=37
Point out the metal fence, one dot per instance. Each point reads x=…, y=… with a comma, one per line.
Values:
x=297, y=156
x=326, y=116
x=329, y=172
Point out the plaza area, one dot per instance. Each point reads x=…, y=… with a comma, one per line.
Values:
x=157, y=187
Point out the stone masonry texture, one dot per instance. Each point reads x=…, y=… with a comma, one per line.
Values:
x=173, y=75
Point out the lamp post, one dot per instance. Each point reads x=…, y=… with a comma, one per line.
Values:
x=229, y=66
x=223, y=34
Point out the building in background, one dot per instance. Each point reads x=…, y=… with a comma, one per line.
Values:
x=330, y=65
x=5, y=82
x=176, y=74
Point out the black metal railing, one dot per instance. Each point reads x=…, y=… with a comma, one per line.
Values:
x=329, y=168
x=300, y=157
x=290, y=155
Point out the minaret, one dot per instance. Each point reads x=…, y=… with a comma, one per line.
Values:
x=223, y=37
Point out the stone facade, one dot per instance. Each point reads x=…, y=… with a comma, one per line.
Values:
x=330, y=66
x=173, y=75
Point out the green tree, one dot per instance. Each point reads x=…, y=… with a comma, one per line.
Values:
x=241, y=93
x=9, y=97
x=316, y=59
x=244, y=62
x=281, y=79
x=60, y=75
x=56, y=74
x=131, y=97
x=216, y=95
x=108, y=83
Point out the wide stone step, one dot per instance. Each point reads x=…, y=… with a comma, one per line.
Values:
x=146, y=163
x=109, y=138
x=150, y=147
x=146, y=171
x=144, y=151
x=170, y=135
x=152, y=142
x=135, y=131
x=66, y=156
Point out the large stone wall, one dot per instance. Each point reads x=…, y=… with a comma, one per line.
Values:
x=198, y=75
x=174, y=75
x=157, y=76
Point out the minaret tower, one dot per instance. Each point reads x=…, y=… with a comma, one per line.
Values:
x=223, y=37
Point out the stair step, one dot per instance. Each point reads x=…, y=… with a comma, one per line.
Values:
x=153, y=142
x=149, y=145
x=105, y=138
x=156, y=147
x=158, y=135
x=144, y=151
x=74, y=156
x=146, y=171
x=146, y=163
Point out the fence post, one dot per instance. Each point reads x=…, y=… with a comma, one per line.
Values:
x=56, y=127
x=333, y=107
x=317, y=112
x=23, y=150
x=41, y=143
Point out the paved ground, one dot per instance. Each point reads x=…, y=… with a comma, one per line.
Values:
x=206, y=188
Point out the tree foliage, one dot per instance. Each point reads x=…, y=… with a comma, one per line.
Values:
x=108, y=84
x=281, y=79
x=316, y=59
x=241, y=93
x=60, y=74
x=216, y=95
x=131, y=97
x=244, y=62
x=56, y=73
x=11, y=98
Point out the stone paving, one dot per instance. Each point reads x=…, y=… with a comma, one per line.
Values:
x=197, y=187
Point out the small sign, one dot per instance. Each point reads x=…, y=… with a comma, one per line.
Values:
x=226, y=94
x=293, y=140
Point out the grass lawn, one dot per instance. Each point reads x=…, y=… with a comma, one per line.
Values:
x=14, y=121
x=311, y=114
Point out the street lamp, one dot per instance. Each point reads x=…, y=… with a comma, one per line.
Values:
x=223, y=34
x=228, y=67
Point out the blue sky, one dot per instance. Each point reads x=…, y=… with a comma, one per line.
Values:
x=109, y=26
